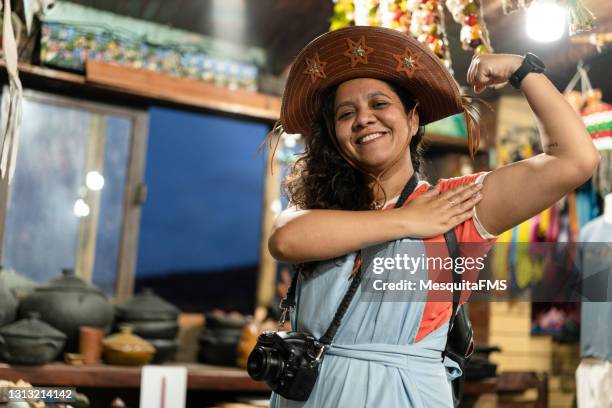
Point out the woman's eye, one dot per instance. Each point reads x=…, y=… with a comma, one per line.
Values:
x=380, y=104
x=344, y=115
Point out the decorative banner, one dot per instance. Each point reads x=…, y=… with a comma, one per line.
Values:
x=424, y=19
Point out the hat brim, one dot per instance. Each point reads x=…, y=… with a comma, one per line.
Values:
x=366, y=52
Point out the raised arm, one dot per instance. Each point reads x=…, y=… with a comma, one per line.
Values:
x=312, y=235
x=518, y=191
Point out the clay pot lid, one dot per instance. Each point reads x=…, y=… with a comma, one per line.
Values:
x=147, y=306
x=68, y=282
x=126, y=341
x=32, y=328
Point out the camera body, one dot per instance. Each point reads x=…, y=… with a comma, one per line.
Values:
x=287, y=361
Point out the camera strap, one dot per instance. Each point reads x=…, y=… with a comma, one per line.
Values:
x=453, y=249
x=288, y=303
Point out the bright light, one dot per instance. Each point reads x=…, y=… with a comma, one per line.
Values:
x=94, y=181
x=81, y=209
x=545, y=21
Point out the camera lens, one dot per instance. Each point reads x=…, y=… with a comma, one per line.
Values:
x=265, y=364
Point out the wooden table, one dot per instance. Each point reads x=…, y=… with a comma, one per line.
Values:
x=102, y=383
x=511, y=382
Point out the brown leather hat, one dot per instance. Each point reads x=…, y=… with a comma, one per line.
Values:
x=367, y=52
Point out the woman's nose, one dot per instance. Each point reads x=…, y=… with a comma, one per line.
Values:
x=363, y=118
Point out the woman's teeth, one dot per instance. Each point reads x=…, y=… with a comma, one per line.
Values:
x=369, y=137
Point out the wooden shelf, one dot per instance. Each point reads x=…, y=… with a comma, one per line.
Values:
x=180, y=90
x=128, y=86
x=200, y=377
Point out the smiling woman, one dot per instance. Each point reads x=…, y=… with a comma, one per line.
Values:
x=360, y=97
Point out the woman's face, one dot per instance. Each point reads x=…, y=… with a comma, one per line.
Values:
x=371, y=124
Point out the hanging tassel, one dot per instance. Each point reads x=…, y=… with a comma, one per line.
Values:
x=472, y=122
x=581, y=18
x=273, y=137
x=510, y=6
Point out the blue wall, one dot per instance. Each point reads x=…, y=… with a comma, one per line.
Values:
x=204, y=204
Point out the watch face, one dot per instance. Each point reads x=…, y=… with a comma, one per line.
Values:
x=536, y=62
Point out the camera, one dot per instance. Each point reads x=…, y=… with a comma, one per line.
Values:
x=287, y=361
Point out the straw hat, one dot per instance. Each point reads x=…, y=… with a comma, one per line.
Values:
x=367, y=52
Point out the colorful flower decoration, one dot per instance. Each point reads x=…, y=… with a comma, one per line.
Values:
x=424, y=19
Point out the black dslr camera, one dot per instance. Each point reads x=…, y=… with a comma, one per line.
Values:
x=288, y=362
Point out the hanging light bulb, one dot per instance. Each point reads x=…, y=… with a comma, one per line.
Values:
x=81, y=209
x=545, y=21
x=94, y=181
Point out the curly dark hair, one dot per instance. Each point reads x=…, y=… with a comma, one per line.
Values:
x=322, y=179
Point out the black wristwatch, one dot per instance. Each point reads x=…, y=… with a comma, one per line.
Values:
x=531, y=63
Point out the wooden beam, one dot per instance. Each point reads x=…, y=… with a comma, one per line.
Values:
x=134, y=197
x=266, y=279
x=88, y=226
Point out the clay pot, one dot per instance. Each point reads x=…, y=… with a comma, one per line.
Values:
x=125, y=348
x=222, y=320
x=67, y=303
x=30, y=341
x=90, y=344
x=219, y=339
x=146, y=306
x=165, y=350
x=8, y=302
x=19, y=285
x=165, y=329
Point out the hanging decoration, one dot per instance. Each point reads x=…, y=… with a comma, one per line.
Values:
x=596, y=39
x=597, y=117
x=424, y=19
x=474, y=34
x=510, y=6
x=580, y=18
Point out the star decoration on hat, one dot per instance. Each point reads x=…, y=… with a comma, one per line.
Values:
x=315, y=68
x=358, y=51
x=407, y=62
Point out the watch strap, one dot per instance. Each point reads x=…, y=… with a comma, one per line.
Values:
x=526, y=67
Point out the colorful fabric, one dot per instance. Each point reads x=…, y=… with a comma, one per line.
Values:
x=70, y=47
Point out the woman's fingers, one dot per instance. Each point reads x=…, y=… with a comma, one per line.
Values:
x=460, y=194
x=459, y=218
x=469, y=203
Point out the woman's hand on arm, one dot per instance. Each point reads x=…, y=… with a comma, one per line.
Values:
x=516, y=192
x=311, y=235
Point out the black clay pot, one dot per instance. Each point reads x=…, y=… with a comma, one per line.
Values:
x=146, y=306
x=30, y=341
x=150, y=330
x=19, y=285
x=165, y=350
x=225, y=335
x=217, y=351
x=225, y=321
x=67, y=303
x=8, y=302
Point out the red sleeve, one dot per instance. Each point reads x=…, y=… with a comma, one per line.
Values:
x=471, y=230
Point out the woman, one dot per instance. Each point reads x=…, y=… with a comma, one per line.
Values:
x=360, y=97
